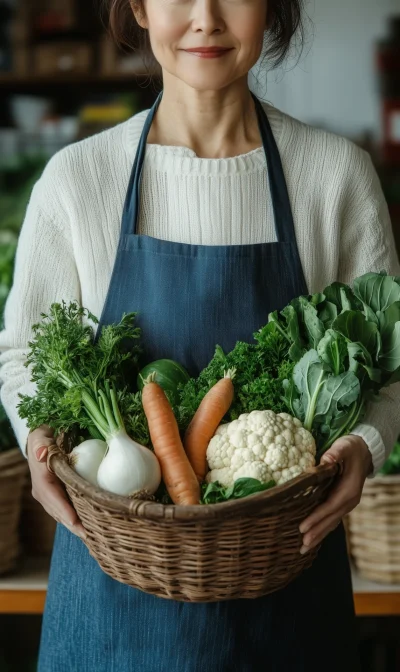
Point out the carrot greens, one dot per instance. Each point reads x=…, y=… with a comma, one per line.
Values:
x=81, y=382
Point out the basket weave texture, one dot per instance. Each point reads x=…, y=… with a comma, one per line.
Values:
x=239, y=549
x=13, y=475
x=374, y=531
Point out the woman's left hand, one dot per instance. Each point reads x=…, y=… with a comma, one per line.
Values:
x=352, y=453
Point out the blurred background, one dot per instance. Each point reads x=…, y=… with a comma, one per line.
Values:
x=62, y=79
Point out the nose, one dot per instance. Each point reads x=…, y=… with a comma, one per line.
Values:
x=207, y=17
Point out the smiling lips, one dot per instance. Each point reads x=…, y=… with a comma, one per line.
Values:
x=208, y=52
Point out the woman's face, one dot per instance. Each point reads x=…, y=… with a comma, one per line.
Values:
x=177, y=26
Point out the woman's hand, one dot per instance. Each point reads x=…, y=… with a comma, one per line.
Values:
x=47, y=489
x=352, y=453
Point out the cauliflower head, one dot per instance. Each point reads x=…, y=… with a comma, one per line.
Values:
x=261, y=445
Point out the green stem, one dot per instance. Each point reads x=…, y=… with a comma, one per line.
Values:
x=101, y=418
x=101, y=404
x=355, y=417
x=313, y=403
x=107, y=389
x=282, y=331
x=95, y=414
x=117, y=414
x=113, y=427
x=94, y=432
x=103, y=432
x=358, y=407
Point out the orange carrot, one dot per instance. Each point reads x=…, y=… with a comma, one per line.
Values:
x=178, y=475
x=205, y=422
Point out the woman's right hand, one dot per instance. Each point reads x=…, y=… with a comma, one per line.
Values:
x=47, y=489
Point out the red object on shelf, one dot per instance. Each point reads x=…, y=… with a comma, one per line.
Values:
x=51, y=22
x=388, y=61
x=391, y=129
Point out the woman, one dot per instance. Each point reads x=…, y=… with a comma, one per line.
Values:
x=241, y=209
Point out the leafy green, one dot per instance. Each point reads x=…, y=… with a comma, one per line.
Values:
x=346, y=345
x=357, y=329
x=376, y=291
x=323, y=357
x=332, y=351
x=392, y=464
x=342, y=296
x=82, y=382
x=214, y=493
x=389, y=358
x=319, y=399
x=261, y=367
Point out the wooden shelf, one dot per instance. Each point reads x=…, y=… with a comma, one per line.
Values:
x=12, y=83
x=375, y=599
x=24, y=592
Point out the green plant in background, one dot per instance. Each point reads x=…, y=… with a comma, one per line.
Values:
x=7, y=438
x=16, y=184
x=8, y=246
x=392, y=464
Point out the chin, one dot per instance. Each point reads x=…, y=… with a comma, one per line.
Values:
x=203, y=82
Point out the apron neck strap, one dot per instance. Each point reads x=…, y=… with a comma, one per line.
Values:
x=132, y=201
x=284, y=225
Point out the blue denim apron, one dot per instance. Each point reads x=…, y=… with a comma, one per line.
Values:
x=190, y=297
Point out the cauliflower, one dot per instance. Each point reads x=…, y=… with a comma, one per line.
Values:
x=261, y=445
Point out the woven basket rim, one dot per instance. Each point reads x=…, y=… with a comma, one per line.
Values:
x=393, y=479
x=155, y=510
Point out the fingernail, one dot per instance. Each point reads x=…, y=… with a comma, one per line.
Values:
x=304, y=528
x=304, y=550
x=41, y=453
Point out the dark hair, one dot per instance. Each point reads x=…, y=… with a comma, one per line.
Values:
x=285, y=18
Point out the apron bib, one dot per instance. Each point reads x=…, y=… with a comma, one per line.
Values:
x=188, y=299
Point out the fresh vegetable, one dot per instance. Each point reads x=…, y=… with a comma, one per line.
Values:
x=205, y=422
x=260, y=369
x=169, y=375
x=178, y=475
x=213, y=493
x=346, y=345
x=87, y=457
x=128, y=468
x=260, y=445
x=80, y=383
x=392, y=464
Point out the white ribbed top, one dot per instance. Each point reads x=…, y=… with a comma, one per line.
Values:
x=70, y=235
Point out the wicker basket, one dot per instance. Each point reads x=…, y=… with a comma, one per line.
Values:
x=375, y=530
x=13, y=475
x=37, y=527
x=239, y=549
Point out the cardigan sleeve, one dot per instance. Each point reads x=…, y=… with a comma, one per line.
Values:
x=367, y=244
x=45, y=272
